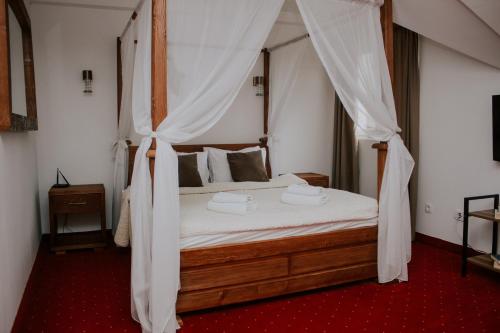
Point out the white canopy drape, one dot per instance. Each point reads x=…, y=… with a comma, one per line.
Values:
x=348, y=38
x=284, y=70
x=213, y=45
x=125, y=121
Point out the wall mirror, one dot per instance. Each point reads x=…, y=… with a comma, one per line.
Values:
x=17, y=77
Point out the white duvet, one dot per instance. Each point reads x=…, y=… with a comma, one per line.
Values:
x=271, y=212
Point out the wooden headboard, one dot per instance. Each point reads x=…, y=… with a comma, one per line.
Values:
x=132, y=150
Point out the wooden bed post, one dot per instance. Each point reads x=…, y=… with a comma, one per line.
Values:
x=119, y=82
x=264, y=140
x=381, y=157
x=388, y=32
x=267, y=58
x=158, y=70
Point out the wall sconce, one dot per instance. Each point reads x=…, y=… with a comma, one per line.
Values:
x=87, y=78
x=258, y=83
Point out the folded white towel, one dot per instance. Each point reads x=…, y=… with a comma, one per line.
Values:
x=232, y=207
x=231, y=197
x=305, y=189
x=298, y=199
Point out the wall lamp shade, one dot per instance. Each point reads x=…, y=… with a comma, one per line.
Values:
x=258, y=83
x=87, y=78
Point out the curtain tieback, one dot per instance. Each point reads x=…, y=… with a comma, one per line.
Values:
x=153, y=135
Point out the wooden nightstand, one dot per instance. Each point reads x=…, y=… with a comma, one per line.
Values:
x=315, y=179
x=77, y=199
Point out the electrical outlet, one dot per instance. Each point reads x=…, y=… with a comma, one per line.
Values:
x=459, y=215
x=428, y=208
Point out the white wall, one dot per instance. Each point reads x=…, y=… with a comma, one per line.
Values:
x=76, y=132
x=19, y=220
x=244, y=120
x=455, y=141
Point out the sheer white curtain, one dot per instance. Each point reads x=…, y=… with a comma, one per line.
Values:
x=125, y=120
x=348, y=38
x=284, y=69
x=213, y=45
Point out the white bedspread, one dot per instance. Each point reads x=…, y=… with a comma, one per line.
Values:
x=272, y=214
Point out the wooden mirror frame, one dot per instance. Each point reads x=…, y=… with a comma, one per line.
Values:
x=10, y=121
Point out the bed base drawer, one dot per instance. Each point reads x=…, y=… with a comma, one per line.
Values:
x=230, y=274
x=326, y=259
x=234, y=273
x=198, y=300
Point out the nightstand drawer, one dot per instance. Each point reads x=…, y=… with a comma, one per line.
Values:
x=318, y=182
x=76, y=203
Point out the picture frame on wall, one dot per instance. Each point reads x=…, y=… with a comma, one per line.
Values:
x=17, y=75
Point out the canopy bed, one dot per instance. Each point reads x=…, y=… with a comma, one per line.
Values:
x=232, y=266
x=210, y=54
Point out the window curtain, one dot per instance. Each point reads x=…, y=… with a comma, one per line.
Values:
x=212, y=47
x=120, y=172
x=345, y=167
x=407, y=97
x=348, y=38
x=284, y=68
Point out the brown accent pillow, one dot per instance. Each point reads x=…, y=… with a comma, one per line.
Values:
x=188, y=171
x=247, y=167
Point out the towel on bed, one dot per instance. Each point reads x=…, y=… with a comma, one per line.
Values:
x=305, y=189
x=226, y=197
x=298, y=199
x=238, y=208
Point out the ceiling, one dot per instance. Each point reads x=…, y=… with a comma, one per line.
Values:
x=466, y=26
x=487, y=10
x=290, y=6
x=471, y=27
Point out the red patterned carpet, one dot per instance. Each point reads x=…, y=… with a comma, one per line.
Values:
x=88, y=292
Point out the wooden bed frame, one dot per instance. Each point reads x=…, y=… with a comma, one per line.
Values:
x=229, y=274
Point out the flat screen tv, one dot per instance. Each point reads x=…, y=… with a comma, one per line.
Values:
x=496, y=127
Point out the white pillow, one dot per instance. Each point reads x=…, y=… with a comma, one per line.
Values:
x=202, y=161
x=219, y=166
